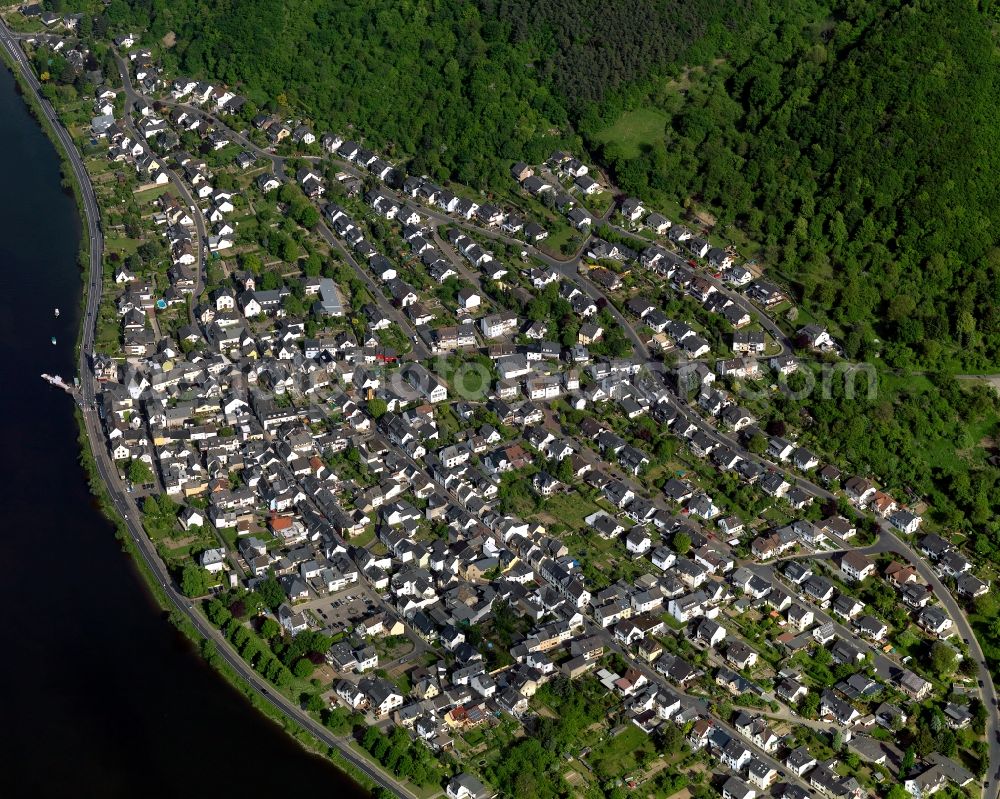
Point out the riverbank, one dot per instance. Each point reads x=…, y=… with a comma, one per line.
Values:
x=204, y=646
x=30, y=101
x=99, y=489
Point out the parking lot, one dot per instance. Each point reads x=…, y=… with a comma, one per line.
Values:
x=342, y=610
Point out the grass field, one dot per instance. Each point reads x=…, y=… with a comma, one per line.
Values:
x=616, y=757
x=149, y=195
x=634, y=130
x=570, y=509
x=562, y=234
x=121, y=244
x=941, y=448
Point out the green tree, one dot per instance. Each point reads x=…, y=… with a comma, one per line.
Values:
x=942, y=659
x=682, y=543
x=978, y=710
x=274, y=670
x=564, y=470
x=337, y=721
x=139, y=473
x=303, y=668
x=314, y=703
x=282, y=677
x=371, y=736
x=377, y=407
x=271, y=592
x=269, y=629
x=193, y=580
x=218, y=613
x=313, y=266
x=757, y=443
x=307, y=216
x=270, y=281
x=250, y=650
x=907, y=764
x=809, y=706
x=294, y=306
x=252, y=262
x=288, y=250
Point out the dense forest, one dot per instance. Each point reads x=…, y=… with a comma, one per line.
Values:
x=420, y=80
x=461, y=88
x=856, y=142
x=852, y=146
x=861, y=150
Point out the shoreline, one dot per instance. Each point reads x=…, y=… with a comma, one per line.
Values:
x=204, y=647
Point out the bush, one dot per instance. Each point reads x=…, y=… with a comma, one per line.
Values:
x=303, y=668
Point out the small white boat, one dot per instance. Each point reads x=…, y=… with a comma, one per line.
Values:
x=57, y=381
x=57, y=312
x=53, y=339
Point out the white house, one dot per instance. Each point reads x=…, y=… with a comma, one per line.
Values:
x=857, y=566
x=381, y=694
x=213, y=560
x=465, y=786
x=468, y=299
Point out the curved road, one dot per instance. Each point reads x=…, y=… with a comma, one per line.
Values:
x=132, y=96
x=888, y=540
x=186, y=197
x=123, y=501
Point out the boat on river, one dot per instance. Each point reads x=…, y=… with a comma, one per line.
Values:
x=57, y=381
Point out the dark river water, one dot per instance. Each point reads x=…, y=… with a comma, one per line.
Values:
x=100, y=695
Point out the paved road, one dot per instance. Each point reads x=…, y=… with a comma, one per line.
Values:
x=457, y=261
x=887, y=668
x=437, y=216
x=888, y=540
x=175, y=180
x=569, y=268
x=592, y=628
x=108, y=472
x=785, y=344
x=419, y=351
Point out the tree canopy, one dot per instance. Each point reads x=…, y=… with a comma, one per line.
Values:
x=854, y=141
x=139, y=473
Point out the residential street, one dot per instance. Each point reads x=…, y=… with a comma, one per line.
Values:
x=178, y=185
x=123, y=501
x=278, y=424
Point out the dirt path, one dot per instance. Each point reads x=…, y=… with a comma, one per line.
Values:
x=991, y=380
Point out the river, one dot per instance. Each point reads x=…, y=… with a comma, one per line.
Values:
x=101, y=695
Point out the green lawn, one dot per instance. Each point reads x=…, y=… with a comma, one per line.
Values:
x=599, y=203
x=121, y=244
x=941, y=447
x=570, y=509
x=589, y=542
x=363, y=540
x=148, y=195
x=447, y=421
x=617, y=757
x=634, y=130
x=563, y=234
